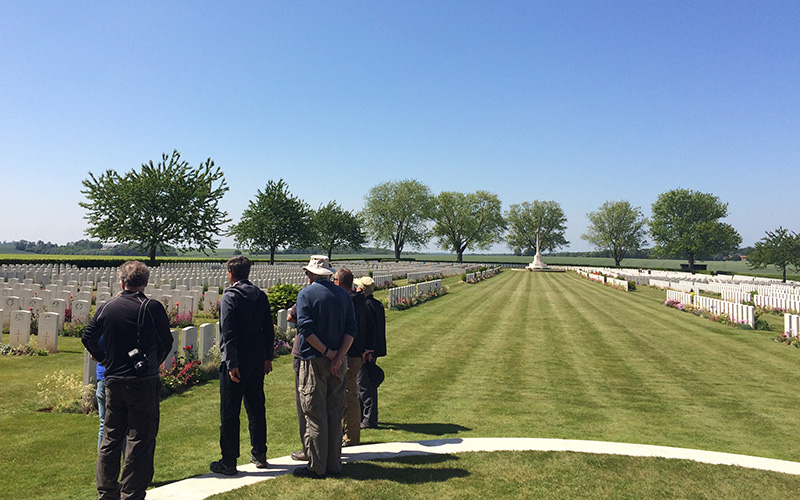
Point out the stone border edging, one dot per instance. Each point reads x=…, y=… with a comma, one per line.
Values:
x=199, y=487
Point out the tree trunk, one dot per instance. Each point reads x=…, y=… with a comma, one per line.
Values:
x=271, y=256
x=329, y=254
x=459, y=256
x=397, y=253
x=152, y=256
x=691, y=262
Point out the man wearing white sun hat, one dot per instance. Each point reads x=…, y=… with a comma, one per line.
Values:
x=326, y=322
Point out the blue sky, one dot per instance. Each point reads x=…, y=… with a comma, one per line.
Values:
x=576, y=102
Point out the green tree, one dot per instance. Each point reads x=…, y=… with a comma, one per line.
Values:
x=334, y=227
x=618, y=228
x=273, y=220
x=166, y=204
x=686, y=223
x=467, y=221
x=780, y=248
x=396, y=214
x=526, y=219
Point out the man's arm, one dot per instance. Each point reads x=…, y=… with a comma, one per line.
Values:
x=228, y=340
x=268, y=331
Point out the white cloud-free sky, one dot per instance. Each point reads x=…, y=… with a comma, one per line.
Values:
x=579, y=102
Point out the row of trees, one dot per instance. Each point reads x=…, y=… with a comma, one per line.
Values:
x=171, y=203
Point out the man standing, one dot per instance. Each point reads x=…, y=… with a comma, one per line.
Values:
x=136, y=340
x=367, y=389
x=326, y=322
x=351, y=423
x=247, y=346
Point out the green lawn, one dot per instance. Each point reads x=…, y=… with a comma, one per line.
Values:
x=546, y=355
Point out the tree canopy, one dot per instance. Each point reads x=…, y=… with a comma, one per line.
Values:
x=166, y=204
x=618, y=228
x=396, y=213
x=686, y=223
x=334, y=227
x=526, y=219
x=274, y=219
x=780, y=248
x=467, y=221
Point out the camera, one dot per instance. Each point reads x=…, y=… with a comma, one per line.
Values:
x=139, y=360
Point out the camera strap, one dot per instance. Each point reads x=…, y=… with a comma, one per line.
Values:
x=140, y=323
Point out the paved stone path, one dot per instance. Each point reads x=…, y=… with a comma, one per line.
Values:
x=200, y=487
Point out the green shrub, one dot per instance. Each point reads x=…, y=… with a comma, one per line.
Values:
x=282, y=296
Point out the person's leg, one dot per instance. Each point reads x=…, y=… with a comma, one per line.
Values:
x=368, y=395
x=301, y=418
x=313, y=395
x=230, y=406
x=143, y=420
x=115, y=425
x=351, y=423
x=100, y=393
x=335, y=411
x=255, y=406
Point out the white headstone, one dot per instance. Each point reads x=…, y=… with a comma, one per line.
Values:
x=58, y=306
x=10, y=304
x=80, y=312
x=282, y=319
x=48, y=331
x=188, y=339
x=205, y=339
x=20, y=328
x=89, y=369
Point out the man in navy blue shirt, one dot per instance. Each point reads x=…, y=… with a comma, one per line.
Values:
x=326, y=322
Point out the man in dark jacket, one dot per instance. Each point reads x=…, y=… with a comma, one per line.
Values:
x=367, y=390
x=362, y=344
x=135, y=340
x=247, y=347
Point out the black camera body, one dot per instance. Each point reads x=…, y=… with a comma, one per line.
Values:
x=139, y=360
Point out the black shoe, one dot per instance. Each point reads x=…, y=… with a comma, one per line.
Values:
x=259, y=460
x=306, y=472
x=300, y=456
x=220, y=468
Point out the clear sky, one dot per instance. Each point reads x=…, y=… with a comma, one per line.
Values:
x=571, y=101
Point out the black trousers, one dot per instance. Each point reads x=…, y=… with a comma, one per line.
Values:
x=131, y=422
x=368, y=397
x=250, y=388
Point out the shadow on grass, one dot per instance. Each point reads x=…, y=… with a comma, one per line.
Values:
x=433, y=429
x=408, y=469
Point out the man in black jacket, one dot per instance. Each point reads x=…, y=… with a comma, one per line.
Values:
x=351, y=422
x=136, y=340
x=247, y=348
x=367, y=389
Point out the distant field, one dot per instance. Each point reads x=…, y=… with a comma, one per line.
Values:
x=8, y=254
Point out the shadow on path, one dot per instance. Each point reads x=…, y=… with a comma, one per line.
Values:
x=433, y=429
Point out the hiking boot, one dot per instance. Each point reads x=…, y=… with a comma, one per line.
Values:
x=260, y=460
x=220, y=467
x=300, y=456
x=306, y=472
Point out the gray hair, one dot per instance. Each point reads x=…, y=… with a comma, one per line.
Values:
x=134, y=273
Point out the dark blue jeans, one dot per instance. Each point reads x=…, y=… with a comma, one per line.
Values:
x=249, y=389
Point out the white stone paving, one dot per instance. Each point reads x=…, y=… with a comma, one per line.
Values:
x=200, y=487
